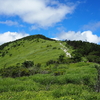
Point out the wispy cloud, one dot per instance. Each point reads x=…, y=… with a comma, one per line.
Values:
x=44, y=13
x=84, y=36
x=92, y=26
x=34, y=27
x=11, y=23
x=11, y=36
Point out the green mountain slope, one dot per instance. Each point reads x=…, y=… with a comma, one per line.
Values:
x=39, y=68
x=34, y=48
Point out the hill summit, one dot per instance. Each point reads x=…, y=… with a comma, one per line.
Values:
x=37, y=48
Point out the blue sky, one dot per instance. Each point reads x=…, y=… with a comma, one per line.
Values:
x=59, y=19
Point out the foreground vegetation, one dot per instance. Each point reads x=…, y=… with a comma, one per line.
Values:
x=36, y=68
x=78, y=82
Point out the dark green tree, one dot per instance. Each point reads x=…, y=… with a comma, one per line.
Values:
x=61, y=58
x=28, y=64
x=77, y=56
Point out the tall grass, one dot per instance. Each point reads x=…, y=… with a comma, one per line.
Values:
x=77, y=83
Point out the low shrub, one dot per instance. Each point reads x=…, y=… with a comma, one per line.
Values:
x=56, y=73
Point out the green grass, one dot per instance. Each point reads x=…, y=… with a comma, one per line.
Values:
x=30, y=50
x=77, y=83
x=72, y=81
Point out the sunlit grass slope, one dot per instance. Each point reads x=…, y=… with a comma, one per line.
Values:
x=34, y=48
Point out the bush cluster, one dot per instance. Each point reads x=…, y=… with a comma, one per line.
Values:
x=25, y=69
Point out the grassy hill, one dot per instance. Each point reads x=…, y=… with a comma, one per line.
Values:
x=34, y=48
x=38, y=68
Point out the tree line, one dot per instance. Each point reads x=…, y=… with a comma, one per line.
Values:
x=85, y=49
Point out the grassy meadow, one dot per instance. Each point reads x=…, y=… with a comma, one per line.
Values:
x=55, y=77
x=77, y=83
x=38, y=51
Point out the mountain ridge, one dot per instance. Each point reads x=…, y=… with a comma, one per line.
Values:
x=36, y=44
x=27, y=38
x=38, y=47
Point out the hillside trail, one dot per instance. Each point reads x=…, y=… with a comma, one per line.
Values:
x=65, y=49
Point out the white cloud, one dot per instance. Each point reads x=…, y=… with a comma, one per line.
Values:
x=34, y=27
x=11, y=23
x=92, y=26
x=40, y=12
x=11, y=36
x=84, y=36
x=55, y=38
